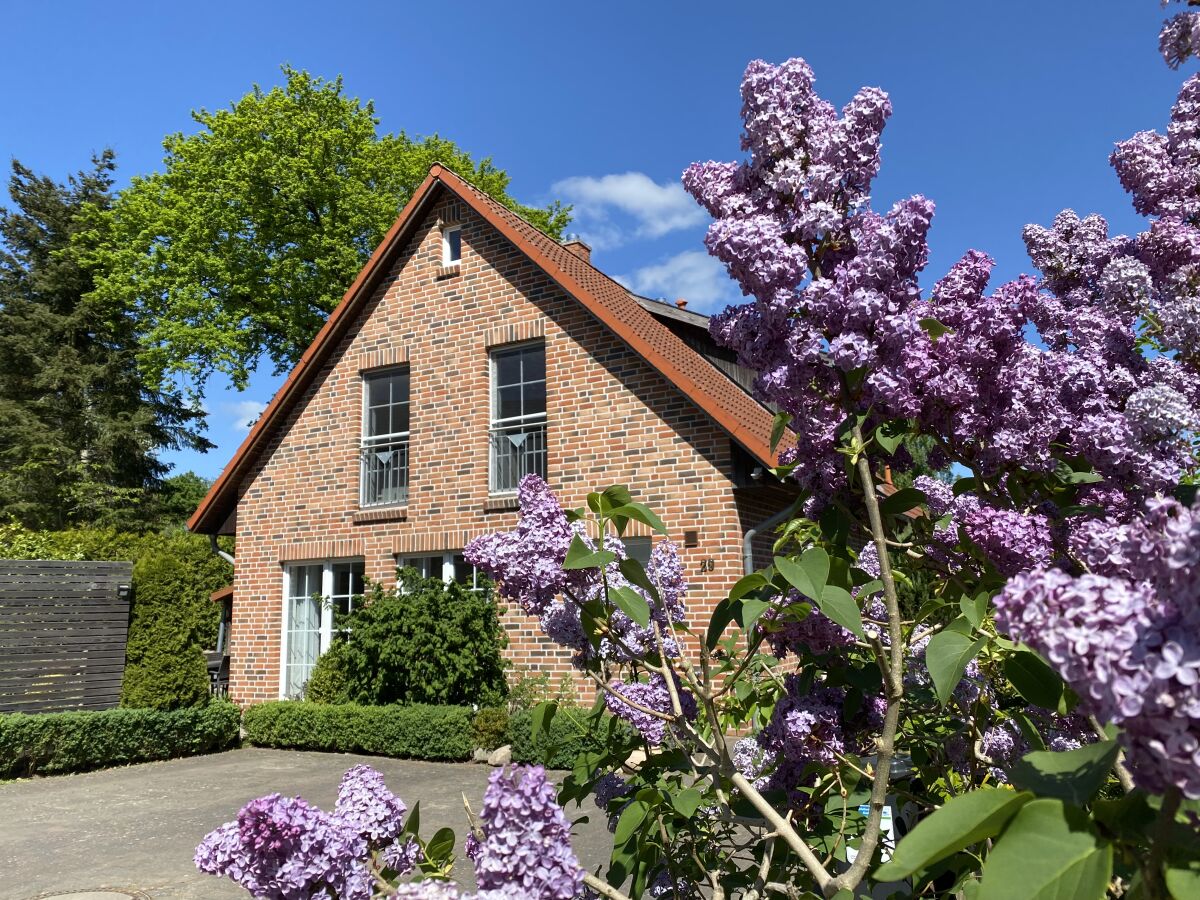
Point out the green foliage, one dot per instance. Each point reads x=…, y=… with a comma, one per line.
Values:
x=54, y=743
x=1052, y=851
x=416, y=732
x=490, y=727
x=422, y=642
x=527, y=688
x=260, y=221
x=570, y=733
x=172, y=618
x=329, y=682
x=164, y=665
x=961, y=822
x=80, y=432
x=173, y=503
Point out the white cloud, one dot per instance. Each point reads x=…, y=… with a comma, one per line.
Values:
x=243, y=413
x=692, y=275
x=656, y=209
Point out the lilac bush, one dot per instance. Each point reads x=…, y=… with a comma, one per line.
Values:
x=1019, y=603
x=986, y=615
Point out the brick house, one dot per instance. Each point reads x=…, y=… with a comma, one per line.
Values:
x=472, y=349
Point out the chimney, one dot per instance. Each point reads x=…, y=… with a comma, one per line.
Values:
x=681, y=303
x=573, y=243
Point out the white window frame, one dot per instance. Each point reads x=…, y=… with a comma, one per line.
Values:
x=447, y=571
x=495, y=423
x=446, y=248
x=325, y=632
x=368, y=441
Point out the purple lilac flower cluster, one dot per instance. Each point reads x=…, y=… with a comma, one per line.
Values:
x=808, y=725
x=1179, y=38
x=834, y=288
x=1140, y=670
x=283, y=848
x=527, y=563
x=526, y=846
x=651, y=694
x=607, y=789
x=753, y=761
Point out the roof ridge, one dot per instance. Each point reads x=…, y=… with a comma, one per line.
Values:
x=609, y=301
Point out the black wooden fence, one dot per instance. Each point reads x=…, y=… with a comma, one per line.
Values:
x=63, y=627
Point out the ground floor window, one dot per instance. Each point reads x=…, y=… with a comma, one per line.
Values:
x=315, y=596
x=448, y=566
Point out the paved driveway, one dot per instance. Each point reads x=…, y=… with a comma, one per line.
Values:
x=135, y=829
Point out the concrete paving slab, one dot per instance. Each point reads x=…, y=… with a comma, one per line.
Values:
x=134, y=830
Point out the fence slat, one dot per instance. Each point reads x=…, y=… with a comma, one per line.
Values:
x=63, y=628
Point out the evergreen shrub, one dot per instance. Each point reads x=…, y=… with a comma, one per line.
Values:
x=422, y=642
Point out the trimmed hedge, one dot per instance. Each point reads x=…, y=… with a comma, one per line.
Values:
x=54, y=743
x=568, y=737
x=415, y=732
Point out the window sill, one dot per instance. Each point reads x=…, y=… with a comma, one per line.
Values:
x=380, y=514
x=450, y=271
x=497, y=502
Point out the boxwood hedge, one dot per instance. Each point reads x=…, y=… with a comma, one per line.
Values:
x=415, y=731
x=54, y=743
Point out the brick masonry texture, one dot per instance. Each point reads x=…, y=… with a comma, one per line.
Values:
x=612, y=419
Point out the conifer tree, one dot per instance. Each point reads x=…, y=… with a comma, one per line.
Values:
x=79, y=430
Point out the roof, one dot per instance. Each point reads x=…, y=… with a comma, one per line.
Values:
x=729, y=406
x=665, y=310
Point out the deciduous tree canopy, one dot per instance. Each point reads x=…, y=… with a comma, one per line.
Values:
x=259, y=222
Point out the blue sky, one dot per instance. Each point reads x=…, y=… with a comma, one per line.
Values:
x=1004, y=113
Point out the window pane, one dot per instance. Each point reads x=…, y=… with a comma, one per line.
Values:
x=399, y=382
x=535, y=363
x=508, y=368
x=400, y=418
x=453, y=245
x=508, y=402
x=379, y=390
x=535, y=398
x=347, y=579
x=305, y=581
x=638, y=548
x=379, y=421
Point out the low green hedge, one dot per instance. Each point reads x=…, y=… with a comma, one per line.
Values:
x=569, y=736
x=54, y=743
x=416, y=731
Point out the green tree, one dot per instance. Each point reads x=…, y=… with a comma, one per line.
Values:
x=176, y=499
x=79, y=430
x=164, y=664
x=248, y=239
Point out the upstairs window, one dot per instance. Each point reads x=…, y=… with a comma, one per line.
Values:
x=451, y=246
x=383, y=478
x=518, y=430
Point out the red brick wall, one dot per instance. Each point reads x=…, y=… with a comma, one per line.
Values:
x=612, y=419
